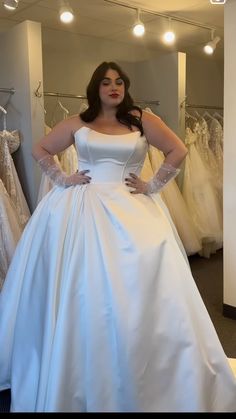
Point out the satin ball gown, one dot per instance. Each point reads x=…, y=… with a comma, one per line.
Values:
x=99, y=311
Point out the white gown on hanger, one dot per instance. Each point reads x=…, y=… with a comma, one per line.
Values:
x=8, y=144
x=201, y=199
x=103, y=314
x=177, y=207
x=10, y=231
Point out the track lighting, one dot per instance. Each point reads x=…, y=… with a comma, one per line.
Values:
x=138, y=29
x=211, y=46
x=11, y=4
x=66, y=14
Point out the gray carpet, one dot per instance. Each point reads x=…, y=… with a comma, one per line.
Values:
x=208, y=275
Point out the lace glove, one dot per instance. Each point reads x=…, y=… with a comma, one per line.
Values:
x=60, y=178
x=163, y=176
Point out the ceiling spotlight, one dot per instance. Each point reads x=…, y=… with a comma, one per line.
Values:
x=11, y=4
x=66, y=14
x=211, y=46
x=169, y=36
x=218, y=1
x=138, y=29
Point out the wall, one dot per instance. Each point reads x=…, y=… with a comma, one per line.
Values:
x=163, y=79
x=204, y=80
x=230, y=158
x=22, y=68
x=69, y=60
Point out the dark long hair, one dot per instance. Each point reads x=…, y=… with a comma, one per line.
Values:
x=123, y=114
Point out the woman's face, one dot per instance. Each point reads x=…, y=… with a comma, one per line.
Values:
x=112, y=89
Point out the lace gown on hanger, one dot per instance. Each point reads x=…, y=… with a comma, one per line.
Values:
x=212, y=163
x=200, y=197
x=216, y=145
x=9, y=142
x=103, y=314
x=177, y=208
x=10, y=231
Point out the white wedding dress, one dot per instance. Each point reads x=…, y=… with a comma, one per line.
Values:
x=99, y=311
x=10, y=231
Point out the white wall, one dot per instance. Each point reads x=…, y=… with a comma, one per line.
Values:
x=163, y=79
x=204, y=80
x=21, y=68
x=69, y=61
x=230, y=156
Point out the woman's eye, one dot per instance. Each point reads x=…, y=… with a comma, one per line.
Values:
x=105, y=83
x=119, y=82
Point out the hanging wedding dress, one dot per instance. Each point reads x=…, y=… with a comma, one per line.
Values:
x=173, y=200
x=10, y=232
x=9, y=143
x=200, y=197
x=216, y=145
x=103, y=314
x=203, y=144
x=177, y=208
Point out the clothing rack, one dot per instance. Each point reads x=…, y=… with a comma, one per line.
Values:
x=188, y=105
x=68, y=95
x=72, y=96
x=11, y=91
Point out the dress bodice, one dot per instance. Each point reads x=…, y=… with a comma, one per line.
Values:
x=110, y=158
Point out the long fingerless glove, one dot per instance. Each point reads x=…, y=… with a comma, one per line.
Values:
x=163, y=176
x=54, y=172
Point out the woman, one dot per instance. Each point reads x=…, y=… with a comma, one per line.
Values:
x=99, y=311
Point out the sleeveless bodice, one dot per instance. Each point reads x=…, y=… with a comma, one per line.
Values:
x=110, y=158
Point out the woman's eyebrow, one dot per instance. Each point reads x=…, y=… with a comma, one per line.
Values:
x=108, y=78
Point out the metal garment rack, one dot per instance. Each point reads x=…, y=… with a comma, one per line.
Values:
x=10, y=91
x=72, y=96
x=68, y=95
x=189, y=105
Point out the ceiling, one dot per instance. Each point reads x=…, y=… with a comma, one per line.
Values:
x=110, y=21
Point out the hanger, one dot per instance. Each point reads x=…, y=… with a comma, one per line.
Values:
x=63, y=108
x=188, y=115
x=197, y=114
x=3, y=109
x=218, y=115
x=4, y=117
x=207, y=114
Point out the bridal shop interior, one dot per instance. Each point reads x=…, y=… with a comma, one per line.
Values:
x=45, y=68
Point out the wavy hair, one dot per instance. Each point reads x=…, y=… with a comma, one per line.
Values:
x=123, y=114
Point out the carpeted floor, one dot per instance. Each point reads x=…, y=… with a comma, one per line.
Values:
x=208, y=275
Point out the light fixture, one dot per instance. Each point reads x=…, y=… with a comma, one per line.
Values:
x=210, y=47
x=138, y=29
x=169, y=36
x=66, y=14
x=218, y=1
x=11, y=4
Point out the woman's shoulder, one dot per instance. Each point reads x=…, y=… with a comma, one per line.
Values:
x=74, y=122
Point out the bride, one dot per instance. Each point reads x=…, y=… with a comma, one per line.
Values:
x=99, y=311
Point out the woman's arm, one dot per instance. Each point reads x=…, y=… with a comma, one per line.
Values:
x=61, y=137
x=58, y=139
x=162, y=137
